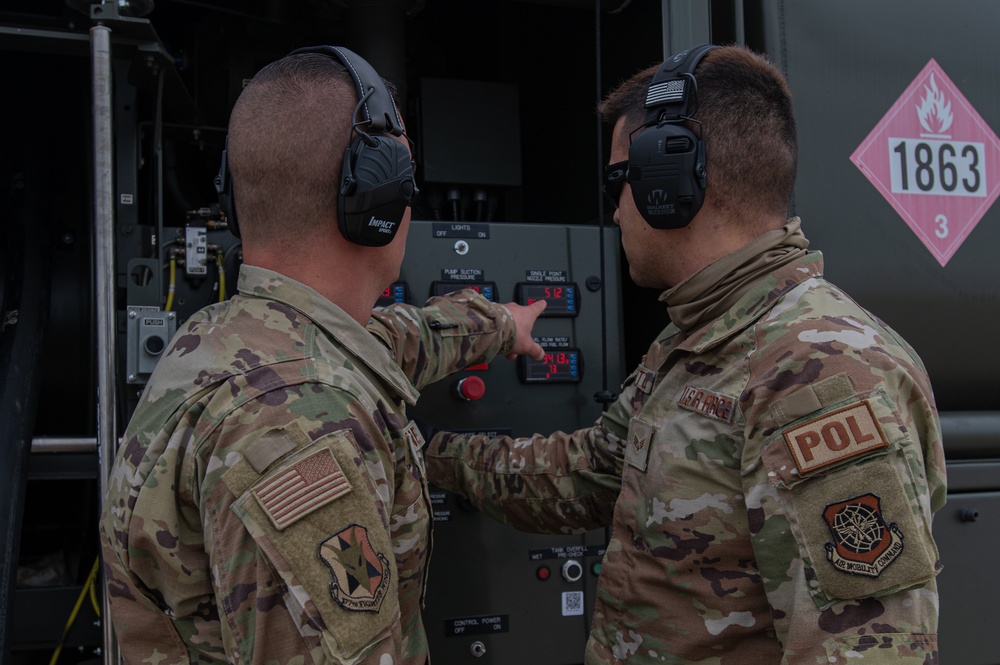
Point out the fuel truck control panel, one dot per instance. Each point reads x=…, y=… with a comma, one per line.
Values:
x=491, y=589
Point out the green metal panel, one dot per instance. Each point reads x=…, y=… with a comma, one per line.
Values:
x=481, y=568
x=847, y=64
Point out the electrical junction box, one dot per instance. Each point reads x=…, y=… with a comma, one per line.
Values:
x=196, y=254
x=149, y=332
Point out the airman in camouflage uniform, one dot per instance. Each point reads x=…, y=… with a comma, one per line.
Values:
x=771, y=469
x=269, y=503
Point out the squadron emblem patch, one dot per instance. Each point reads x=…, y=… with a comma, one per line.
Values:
x=360, y=574
x=862, y=542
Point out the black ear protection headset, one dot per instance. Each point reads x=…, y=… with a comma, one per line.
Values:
x=666, y=160
x=376, y=183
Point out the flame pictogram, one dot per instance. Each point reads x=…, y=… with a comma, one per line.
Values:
x=935, y=108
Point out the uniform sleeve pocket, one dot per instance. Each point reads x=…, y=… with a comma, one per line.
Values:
x=315, y=516
x=858, y=532
x=839, y=471
x=895, y=648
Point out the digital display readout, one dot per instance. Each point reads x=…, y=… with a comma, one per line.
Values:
x=395, y=292
x=556, y=366
x=487, y=289
x=562, y=297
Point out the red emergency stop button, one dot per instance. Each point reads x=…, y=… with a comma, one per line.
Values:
x=471, y=388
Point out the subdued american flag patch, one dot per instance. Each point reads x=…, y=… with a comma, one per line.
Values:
x=300, y=489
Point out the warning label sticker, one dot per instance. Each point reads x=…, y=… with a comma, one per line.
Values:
x=935, y=160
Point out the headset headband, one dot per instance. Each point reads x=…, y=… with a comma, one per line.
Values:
x=669, y=95
x=380, y=113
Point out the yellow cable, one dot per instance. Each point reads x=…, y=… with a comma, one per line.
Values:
x=76, y=609
x=222, y=277
x=170, y=289
x=93, y=597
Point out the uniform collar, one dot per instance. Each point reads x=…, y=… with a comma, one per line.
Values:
x=331, y=319
x=754, y=303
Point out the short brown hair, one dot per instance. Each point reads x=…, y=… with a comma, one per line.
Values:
x=287, y=135
x=744, y=107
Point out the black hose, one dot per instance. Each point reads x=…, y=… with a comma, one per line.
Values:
x=25, y=308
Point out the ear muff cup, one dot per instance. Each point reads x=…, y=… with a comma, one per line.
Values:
x=667, y=175
x=376, y=187
x=666, y=160
x=377, y=183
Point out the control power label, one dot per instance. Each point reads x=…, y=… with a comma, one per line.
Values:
x=481, y=625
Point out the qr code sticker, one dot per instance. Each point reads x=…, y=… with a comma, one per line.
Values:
x=572, y=603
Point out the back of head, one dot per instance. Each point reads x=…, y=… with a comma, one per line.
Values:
x=287, y=135
x=744, y=114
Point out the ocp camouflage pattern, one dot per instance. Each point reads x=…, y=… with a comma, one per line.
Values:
x=770, y=478
x=209, y=556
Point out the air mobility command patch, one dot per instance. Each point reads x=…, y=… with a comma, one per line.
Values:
x=302, y=488
x=863, y=544
x=860, y=532
x=360, y=574
x=835, y=437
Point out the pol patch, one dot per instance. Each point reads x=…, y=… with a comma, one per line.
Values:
x=835, y=437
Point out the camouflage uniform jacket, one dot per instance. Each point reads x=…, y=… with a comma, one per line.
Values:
x=770, y=478
x=269, y=502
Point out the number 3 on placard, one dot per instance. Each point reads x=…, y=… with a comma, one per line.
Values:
x=942, y=229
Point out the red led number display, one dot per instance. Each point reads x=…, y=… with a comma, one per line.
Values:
x=561, y=298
